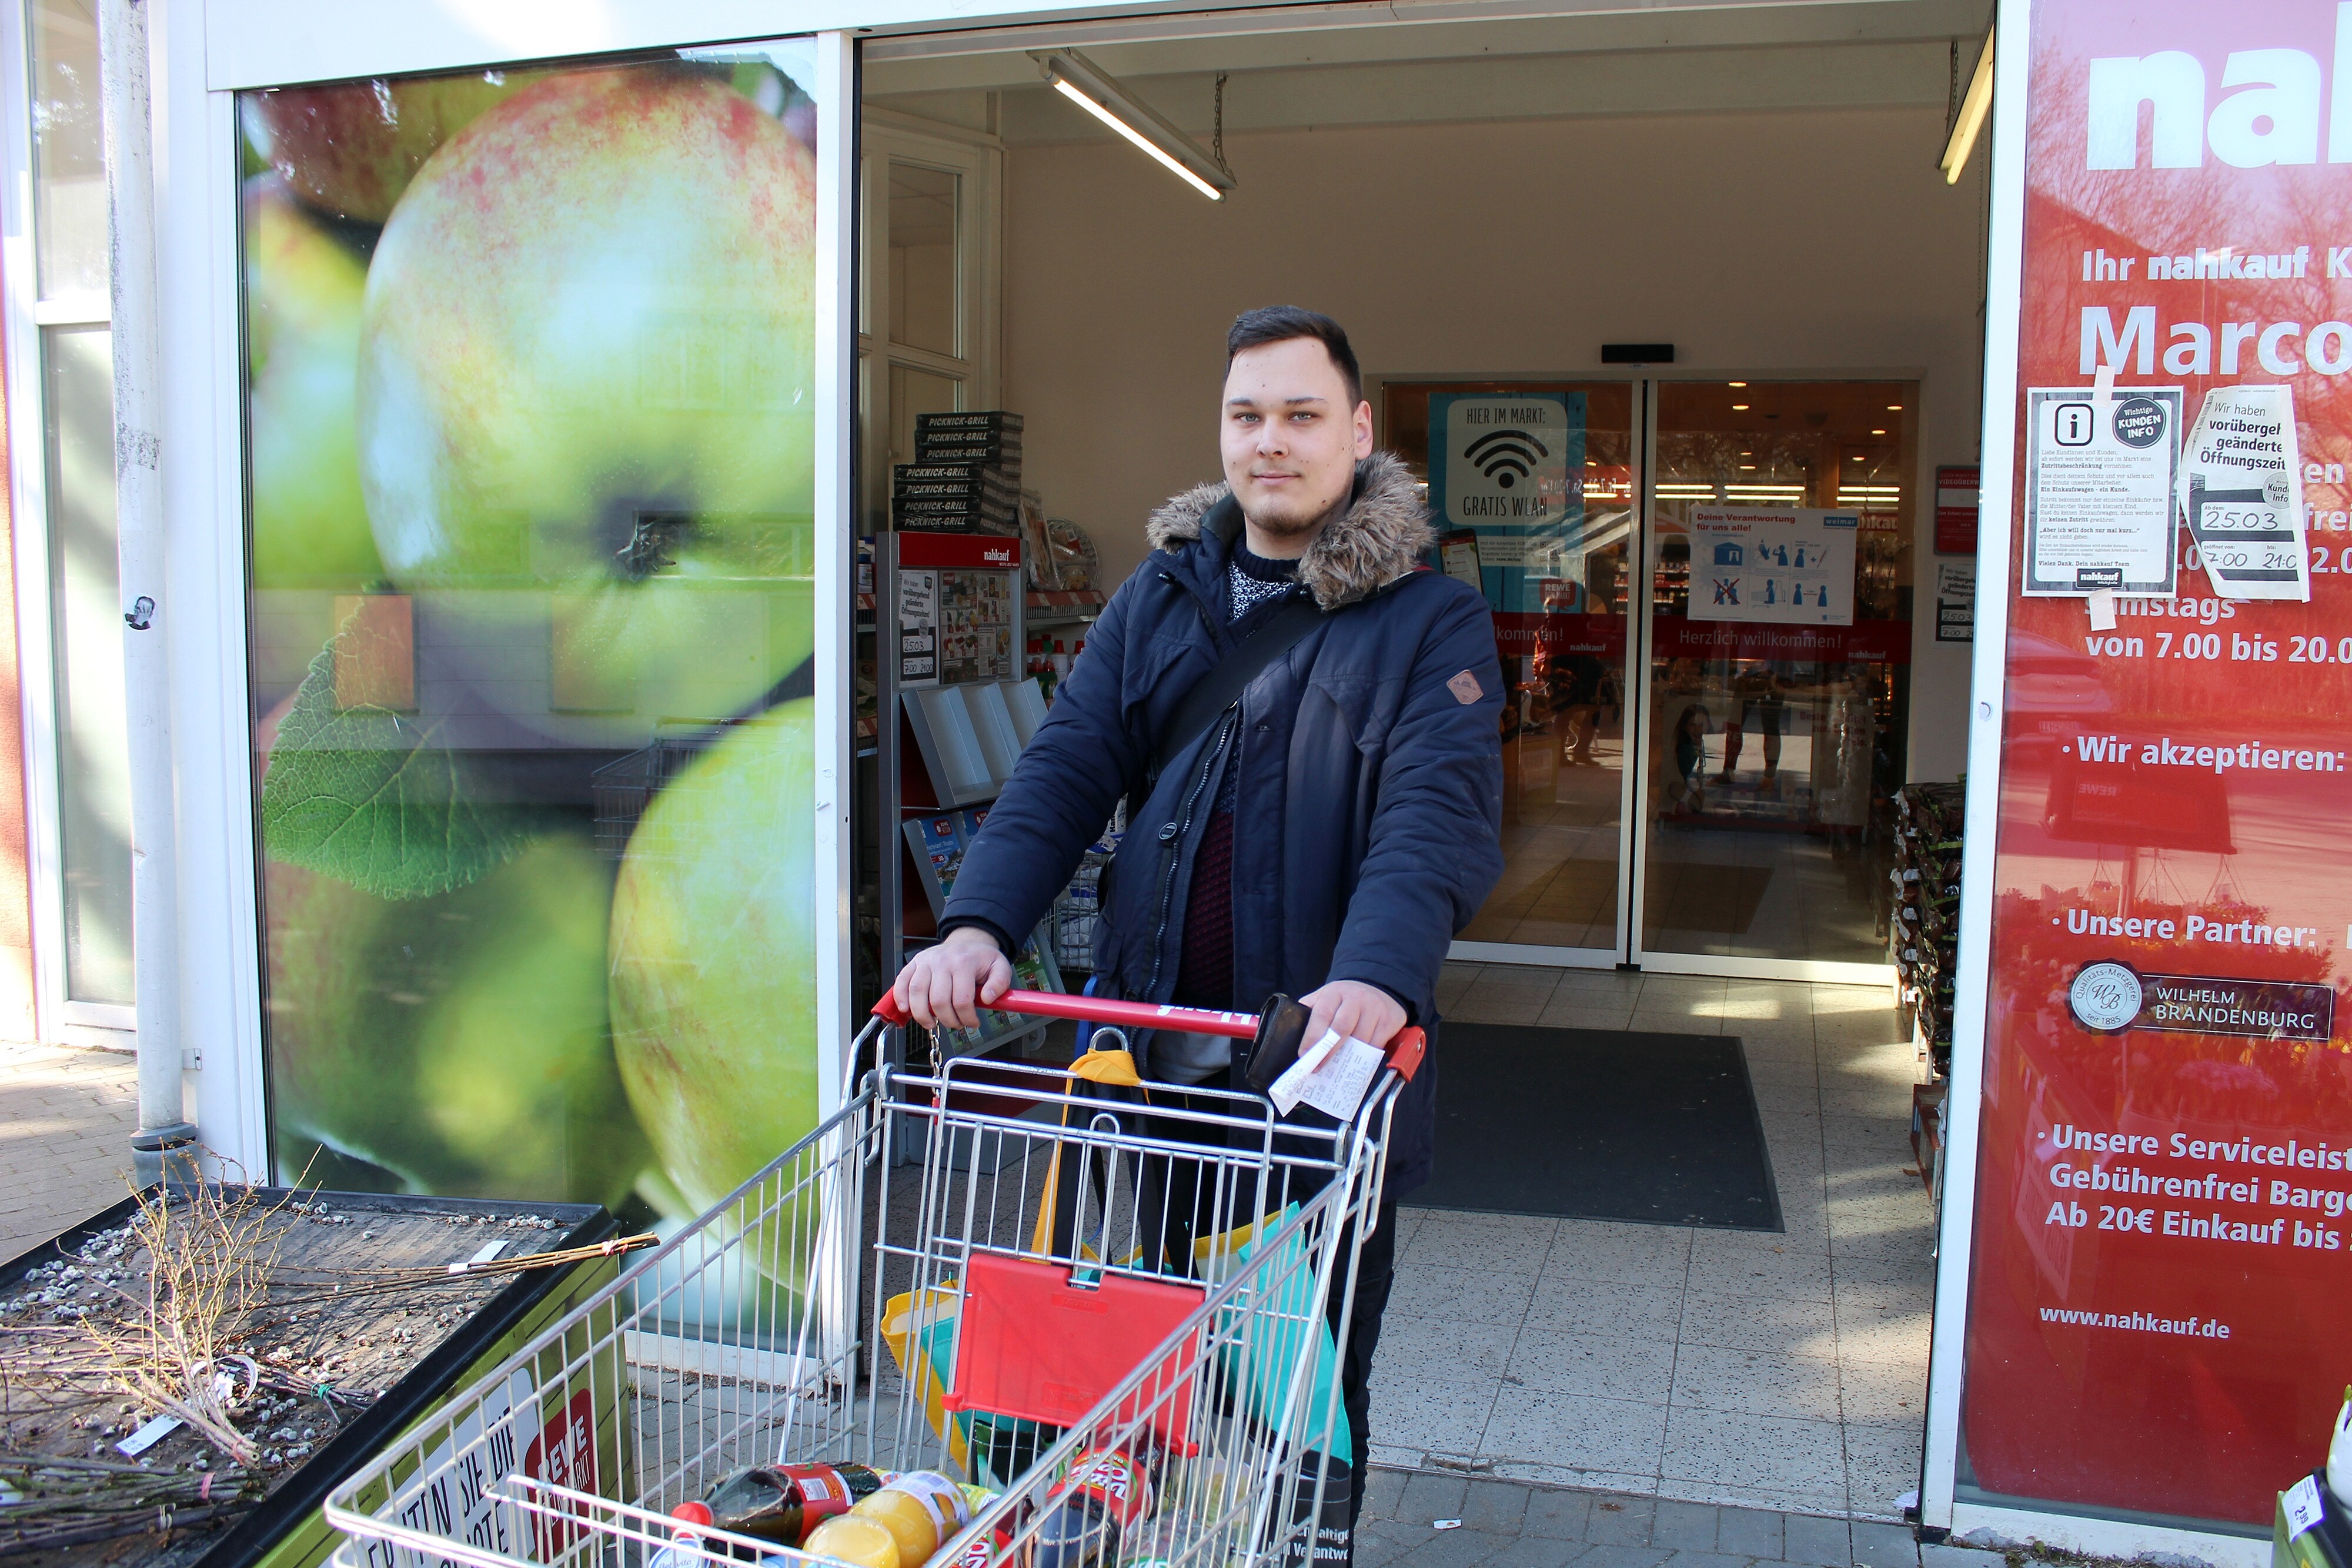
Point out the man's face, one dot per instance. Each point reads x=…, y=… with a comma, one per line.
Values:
x=1291, y=439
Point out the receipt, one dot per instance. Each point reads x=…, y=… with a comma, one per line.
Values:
x=1331, y=1075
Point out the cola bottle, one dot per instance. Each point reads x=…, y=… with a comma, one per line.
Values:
x=783, y=1502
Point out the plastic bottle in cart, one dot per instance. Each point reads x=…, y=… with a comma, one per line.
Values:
x=921, y=1509
x=685, y=1550
x=783, y=1502
x=1103, y=1497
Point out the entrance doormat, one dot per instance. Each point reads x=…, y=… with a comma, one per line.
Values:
x=1660, y=1129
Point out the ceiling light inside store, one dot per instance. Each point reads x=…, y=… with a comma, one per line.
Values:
x=1103, y=96
x=1734, y=383
x=1740, y=408
x=1975, y=104
x=1878, y=432
x=1894, y=408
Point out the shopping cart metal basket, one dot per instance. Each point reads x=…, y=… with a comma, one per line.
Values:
x=1074, y=1265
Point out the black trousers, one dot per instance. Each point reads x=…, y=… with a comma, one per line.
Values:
x=1375, y=1273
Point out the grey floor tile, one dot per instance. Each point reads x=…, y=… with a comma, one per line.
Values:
x=1580, y=1431
x=1944, y=1554
x=1451, y=1548
x=1621, y=1520
x=1383, y=1488
x=1614, y=1366
x=1419, y=1350
x=1756, y=1382
x=1884, y=1394
x=1435, y=1416
x=1497, y=1507
x=1882, y=1463
x=1501, y=1004
x=1705, y=1560
x=1515, y=1247
x=1557, y=1513
x=1752, y=1266
x=1538, y=1552
x=1884, y=1546
x=1428, y=1497
x=1565, y=1305
x=1616, y=1556
x=1379, y=1544
x=1799, y=1455
x=1464, y=1295
x=1685, y=1526
x=1661, y=1020
x=1587, y=1249
x=1823, y=1542
x=1750, y=1323
x=1748, y=1531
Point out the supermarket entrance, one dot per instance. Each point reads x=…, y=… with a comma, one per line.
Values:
x=1703, y=263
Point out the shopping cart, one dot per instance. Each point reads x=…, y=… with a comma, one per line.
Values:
x=1074, y=1265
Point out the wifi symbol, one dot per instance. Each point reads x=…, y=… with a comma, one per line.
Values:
x=1506, y=457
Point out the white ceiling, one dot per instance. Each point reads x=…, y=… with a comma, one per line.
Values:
x=1344, y=70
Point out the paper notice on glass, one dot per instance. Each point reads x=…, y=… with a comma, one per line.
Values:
x=1331, y=1075
x=2242, y=490
x=2099, y=480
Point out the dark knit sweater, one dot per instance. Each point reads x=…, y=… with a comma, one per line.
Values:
x=1255, y=585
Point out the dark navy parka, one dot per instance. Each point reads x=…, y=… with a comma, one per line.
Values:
x=1367, y=822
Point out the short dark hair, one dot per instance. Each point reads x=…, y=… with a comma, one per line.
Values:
x=1281, y=323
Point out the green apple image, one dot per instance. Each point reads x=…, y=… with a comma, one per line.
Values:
x=586, y=400
x=350, y=149
x=303, y=288
x=714, y=958
x=457, y=1041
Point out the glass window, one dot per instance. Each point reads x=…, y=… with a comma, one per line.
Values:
x=68, y=162
x=531, y=547
x=914, y=393
x=86, y=618
x=923, y=257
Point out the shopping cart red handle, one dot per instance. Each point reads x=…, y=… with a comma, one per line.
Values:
x=1404, y=1052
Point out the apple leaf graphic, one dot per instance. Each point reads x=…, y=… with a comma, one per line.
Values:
x=360, y=793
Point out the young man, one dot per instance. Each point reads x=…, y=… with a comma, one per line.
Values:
x=1331, y=830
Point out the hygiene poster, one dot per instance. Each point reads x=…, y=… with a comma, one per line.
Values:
x=1779, y=565
x=531, y=383
x=2162, y=1268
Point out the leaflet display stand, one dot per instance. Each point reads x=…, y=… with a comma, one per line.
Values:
x=952, y=609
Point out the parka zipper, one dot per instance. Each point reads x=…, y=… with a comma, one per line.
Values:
x=1173, y=833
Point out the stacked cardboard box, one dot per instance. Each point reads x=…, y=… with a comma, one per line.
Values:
x=1923, y=935
x=966, y=476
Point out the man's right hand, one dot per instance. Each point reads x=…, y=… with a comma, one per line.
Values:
x=948, y=984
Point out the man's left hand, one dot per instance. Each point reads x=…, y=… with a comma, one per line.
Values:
x=1356, y=1011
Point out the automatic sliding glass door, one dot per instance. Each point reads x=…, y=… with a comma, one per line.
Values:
x=1700, y=781
x=1533, y=486
x=1775, y=703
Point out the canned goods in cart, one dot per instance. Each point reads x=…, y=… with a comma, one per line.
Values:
x=1113, y=1339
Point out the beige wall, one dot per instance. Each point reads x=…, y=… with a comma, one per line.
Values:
x=1791, y=243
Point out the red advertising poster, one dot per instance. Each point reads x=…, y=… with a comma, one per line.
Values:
x=2158, y=1310
x=1956, y=510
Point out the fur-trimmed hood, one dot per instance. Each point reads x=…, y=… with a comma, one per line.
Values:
x=1379, y=539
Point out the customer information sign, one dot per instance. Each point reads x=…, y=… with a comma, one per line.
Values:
x=2160, y=1272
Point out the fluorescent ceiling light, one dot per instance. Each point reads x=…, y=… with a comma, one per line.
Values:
x=1102, y=95
x=1975, y=104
